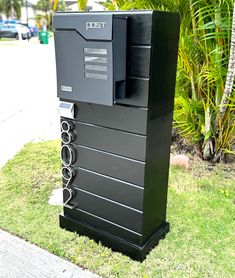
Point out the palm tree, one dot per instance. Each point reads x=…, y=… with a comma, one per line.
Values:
x=205, y=103
x=11, y=8
x=230, y=74
x=228, y=91
x=1, y=6
x=82, y=4
x=203, y=96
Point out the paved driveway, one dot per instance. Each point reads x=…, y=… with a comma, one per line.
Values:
x=28, y=104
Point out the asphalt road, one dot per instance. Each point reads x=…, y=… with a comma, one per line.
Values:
x=28, y=105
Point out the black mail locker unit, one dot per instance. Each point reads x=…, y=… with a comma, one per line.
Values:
x=116, y=76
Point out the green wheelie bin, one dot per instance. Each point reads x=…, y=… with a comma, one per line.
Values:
x=43, y=37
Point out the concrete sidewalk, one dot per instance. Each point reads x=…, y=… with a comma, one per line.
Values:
x=28, y=107
x=28, y=112
x=20, y=259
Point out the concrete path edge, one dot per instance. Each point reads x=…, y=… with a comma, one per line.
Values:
x=19, y=258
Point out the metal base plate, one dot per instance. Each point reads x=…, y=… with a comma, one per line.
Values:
x=117, y=244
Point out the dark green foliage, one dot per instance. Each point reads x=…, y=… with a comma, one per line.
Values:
x=204, y=48
x=44, y=5
x=47, y=7
x=11, y=8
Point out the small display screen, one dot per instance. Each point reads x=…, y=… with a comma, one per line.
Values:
x=65, y=105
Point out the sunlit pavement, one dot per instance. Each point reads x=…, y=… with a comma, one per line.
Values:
x=28, y=106
x=19, y=42
x=28, y=112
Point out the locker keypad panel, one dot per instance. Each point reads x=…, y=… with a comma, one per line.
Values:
x=115, y=82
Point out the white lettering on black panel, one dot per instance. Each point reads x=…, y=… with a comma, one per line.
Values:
x=95, y=25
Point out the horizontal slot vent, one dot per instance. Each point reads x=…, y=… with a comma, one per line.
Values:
x=96, y=75
x=95, y=68
x=89, y=66
x=92, y=59
x=100, y=51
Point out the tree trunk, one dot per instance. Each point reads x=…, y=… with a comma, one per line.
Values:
x=230, y=76
x=115, y=4
x=208, y=146
x=55, y=5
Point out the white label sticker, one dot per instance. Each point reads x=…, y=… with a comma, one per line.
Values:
x=66, y=88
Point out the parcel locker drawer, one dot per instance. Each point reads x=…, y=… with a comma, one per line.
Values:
x=138, y=61
x=114, y=212
x=113, y=189
x=139, y=28
x=133, y=120
x=103, y=225
x=109, y=140
x=137, y=92
x=125, y=169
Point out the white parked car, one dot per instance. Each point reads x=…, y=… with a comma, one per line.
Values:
x=14, y=30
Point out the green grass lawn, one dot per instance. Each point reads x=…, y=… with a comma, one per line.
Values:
x=201, y=211
x=7, y=39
